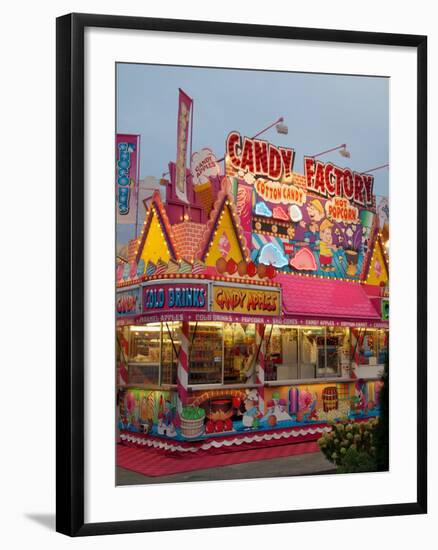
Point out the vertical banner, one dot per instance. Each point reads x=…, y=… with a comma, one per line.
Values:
x=184, y=107
x=127, y=177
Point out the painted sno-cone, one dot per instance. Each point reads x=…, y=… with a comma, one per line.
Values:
x=123, y=374
x=150, y=268
x=198, y=267
x=151, y=406
x=161, y=267
x=185, y=267
x=172, y=267
x=161, y=407
x=205, y=194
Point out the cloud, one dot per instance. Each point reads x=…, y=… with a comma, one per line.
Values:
x=295, y=213
x=249, y=178
x=272, y=255
x=262, y=210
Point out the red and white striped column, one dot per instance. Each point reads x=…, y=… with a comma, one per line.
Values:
x=183, y=368
x=260, y=369
x=357, y=338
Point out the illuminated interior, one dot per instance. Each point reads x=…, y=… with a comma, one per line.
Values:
x=227, y=353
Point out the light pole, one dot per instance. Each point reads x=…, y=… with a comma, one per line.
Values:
x=343, y=151
x=376, y=168
x=279, y=126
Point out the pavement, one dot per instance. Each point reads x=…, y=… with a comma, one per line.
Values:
x=298, y=465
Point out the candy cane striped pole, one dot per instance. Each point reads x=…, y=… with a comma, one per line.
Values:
x=260, y=372
x=183, y=367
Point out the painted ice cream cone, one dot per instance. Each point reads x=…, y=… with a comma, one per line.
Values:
x=172, y=266
x=185, y=267
x=161, y=267
x=205, y=194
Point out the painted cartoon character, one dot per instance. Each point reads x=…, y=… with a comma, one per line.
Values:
x=166, y=418
x=361, y=402
x=326, y=246
x=251, y=414
x=306, y=406
x=277, y=407
x=315, y=211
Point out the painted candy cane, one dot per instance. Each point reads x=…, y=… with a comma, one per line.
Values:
x=183, y=367
x=260, y=376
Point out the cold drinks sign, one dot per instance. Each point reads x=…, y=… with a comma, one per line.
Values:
x=176, y=297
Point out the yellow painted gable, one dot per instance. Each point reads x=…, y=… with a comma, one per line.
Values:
x=215, y=251
x=377, y=272
x=155, y=246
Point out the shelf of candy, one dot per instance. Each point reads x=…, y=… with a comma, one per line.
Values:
x=234, y=360
x=143, y=373
x=206, y=355
x=205, y=371
x=169, y=370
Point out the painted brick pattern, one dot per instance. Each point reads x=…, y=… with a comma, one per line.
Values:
x=188, y=236
x=132, y=250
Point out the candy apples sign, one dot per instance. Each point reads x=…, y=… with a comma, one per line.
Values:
x=247, y=301
x=259, y=157
x=203, y=166
x=331, y=181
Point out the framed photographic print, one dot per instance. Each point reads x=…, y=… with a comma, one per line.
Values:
x=232, y=203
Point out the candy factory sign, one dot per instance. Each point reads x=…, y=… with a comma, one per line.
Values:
x=174, y=297
x=259, y=158
x=246, y=301
x=329, y=180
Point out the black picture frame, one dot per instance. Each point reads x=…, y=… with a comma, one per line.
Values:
x=70, y=273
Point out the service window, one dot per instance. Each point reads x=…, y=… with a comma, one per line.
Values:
x=144, y=354
x=282, y=359
x=240, y=353
x=313, y=353
x=205, y=353
x=170, y=345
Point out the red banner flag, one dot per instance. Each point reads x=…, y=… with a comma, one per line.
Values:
x=184, y=109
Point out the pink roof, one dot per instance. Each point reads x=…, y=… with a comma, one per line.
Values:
x=325, y=298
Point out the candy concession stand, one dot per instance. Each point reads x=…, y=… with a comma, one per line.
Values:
x=255, y=313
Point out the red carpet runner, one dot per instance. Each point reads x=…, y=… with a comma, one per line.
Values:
x=149, y=462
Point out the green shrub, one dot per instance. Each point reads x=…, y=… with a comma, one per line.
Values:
x=361, y=446
x=381, y=434
x=356, y=461
x=350, y=445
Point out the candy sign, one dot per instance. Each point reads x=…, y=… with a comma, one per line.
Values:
x=128, y=302
x=259, y=158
